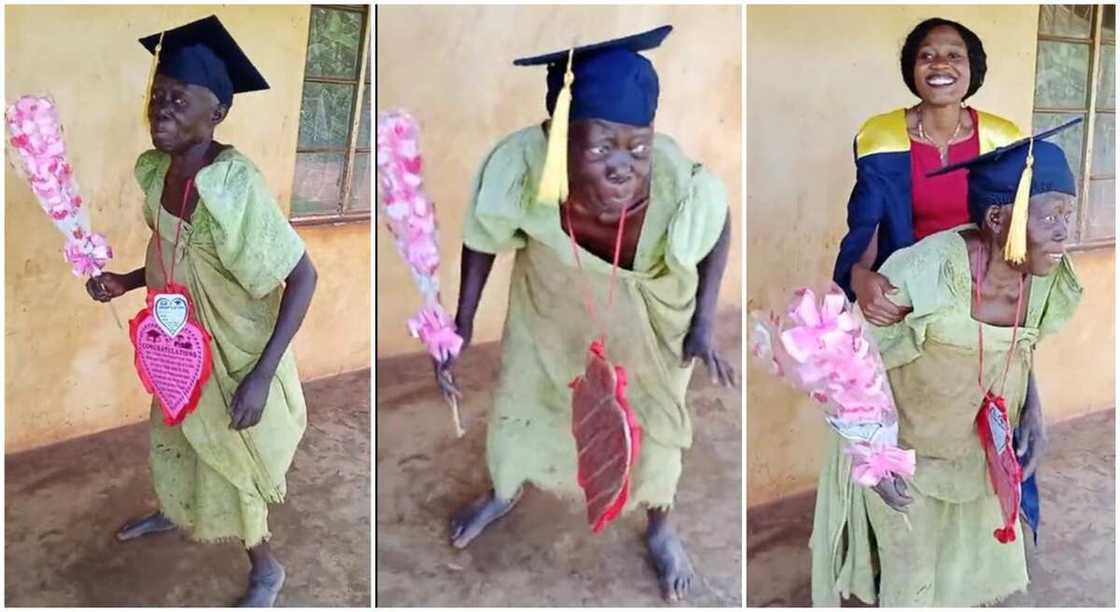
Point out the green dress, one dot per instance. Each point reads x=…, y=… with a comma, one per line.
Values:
x=233, y=256
x=547, y=330
x=947, y=556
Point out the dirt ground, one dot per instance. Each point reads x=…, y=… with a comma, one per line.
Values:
x=64, y=502
x=543, y=553
x=1073, y=566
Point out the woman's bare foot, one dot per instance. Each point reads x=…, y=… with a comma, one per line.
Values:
x=265, y=579
x=674, y=569
x=155, y=522
x=471, y=520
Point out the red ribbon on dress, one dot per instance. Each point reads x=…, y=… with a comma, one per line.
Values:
x=1003, y=466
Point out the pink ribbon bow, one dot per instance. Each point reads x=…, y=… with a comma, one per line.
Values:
x=815, y=328
x=833, y=359
x=88, y=254
x=871, y=463
x=434, y=328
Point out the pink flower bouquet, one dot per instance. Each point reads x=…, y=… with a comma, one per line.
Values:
x=36, y=136
x=819, y=346
x=410, y=217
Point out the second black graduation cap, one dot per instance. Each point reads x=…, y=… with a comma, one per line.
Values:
x=204, y=53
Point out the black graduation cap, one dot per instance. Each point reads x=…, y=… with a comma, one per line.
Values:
x=612, y=80
x=1001, y=153
x=1011, y=174
x=203, y=53
x=635, y=43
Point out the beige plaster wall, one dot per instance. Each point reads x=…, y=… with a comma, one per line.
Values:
x=452, y=68
x=814, y=74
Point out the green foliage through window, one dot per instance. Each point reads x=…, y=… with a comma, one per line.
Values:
x=335, y=43
x=1075, y=77
x=325, y=116
x=332, y=171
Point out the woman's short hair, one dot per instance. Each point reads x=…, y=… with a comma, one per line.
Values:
x=977, y=59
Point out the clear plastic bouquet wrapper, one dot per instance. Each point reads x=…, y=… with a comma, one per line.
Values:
x=819, y=344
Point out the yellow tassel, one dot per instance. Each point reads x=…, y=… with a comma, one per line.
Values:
x=553, y=187
x=152, y=77
x=1015, y=249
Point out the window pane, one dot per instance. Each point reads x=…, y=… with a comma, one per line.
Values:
x=1066, y=20
x=334, y=44
x=1069, y=140
x=1104, y=146
x=1108, y=27
x=359, y=183
x=318, y=183
x=324, y=118
x=1106, y=87
x=1101, y=210
x=1063, y=75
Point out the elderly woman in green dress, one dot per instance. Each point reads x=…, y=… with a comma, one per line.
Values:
x=976, y=301
x=672, y=252
x=218, y=230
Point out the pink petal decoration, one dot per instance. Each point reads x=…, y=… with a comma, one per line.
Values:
x=819, y=346
x=433, y=326
x=872, y=463
x=36, y=136
x=410, y=217
x=88, y=254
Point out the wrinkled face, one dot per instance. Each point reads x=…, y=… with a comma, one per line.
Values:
x=941, y=71
x=1047, y=231
x=181, y=114
x=609, y=165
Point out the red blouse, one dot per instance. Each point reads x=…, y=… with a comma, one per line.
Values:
x=941, y=202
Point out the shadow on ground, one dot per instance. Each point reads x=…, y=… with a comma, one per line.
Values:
x=63, y=503
x=1073, y=566
x=543, y=553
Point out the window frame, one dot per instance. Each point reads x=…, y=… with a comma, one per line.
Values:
x=1090, y=111
x=353, y=147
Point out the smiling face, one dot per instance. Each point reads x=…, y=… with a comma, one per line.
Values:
x=182, y=115
x=609, y=166
x=941, y=69
x=1048, y=223
x=1047, y=231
